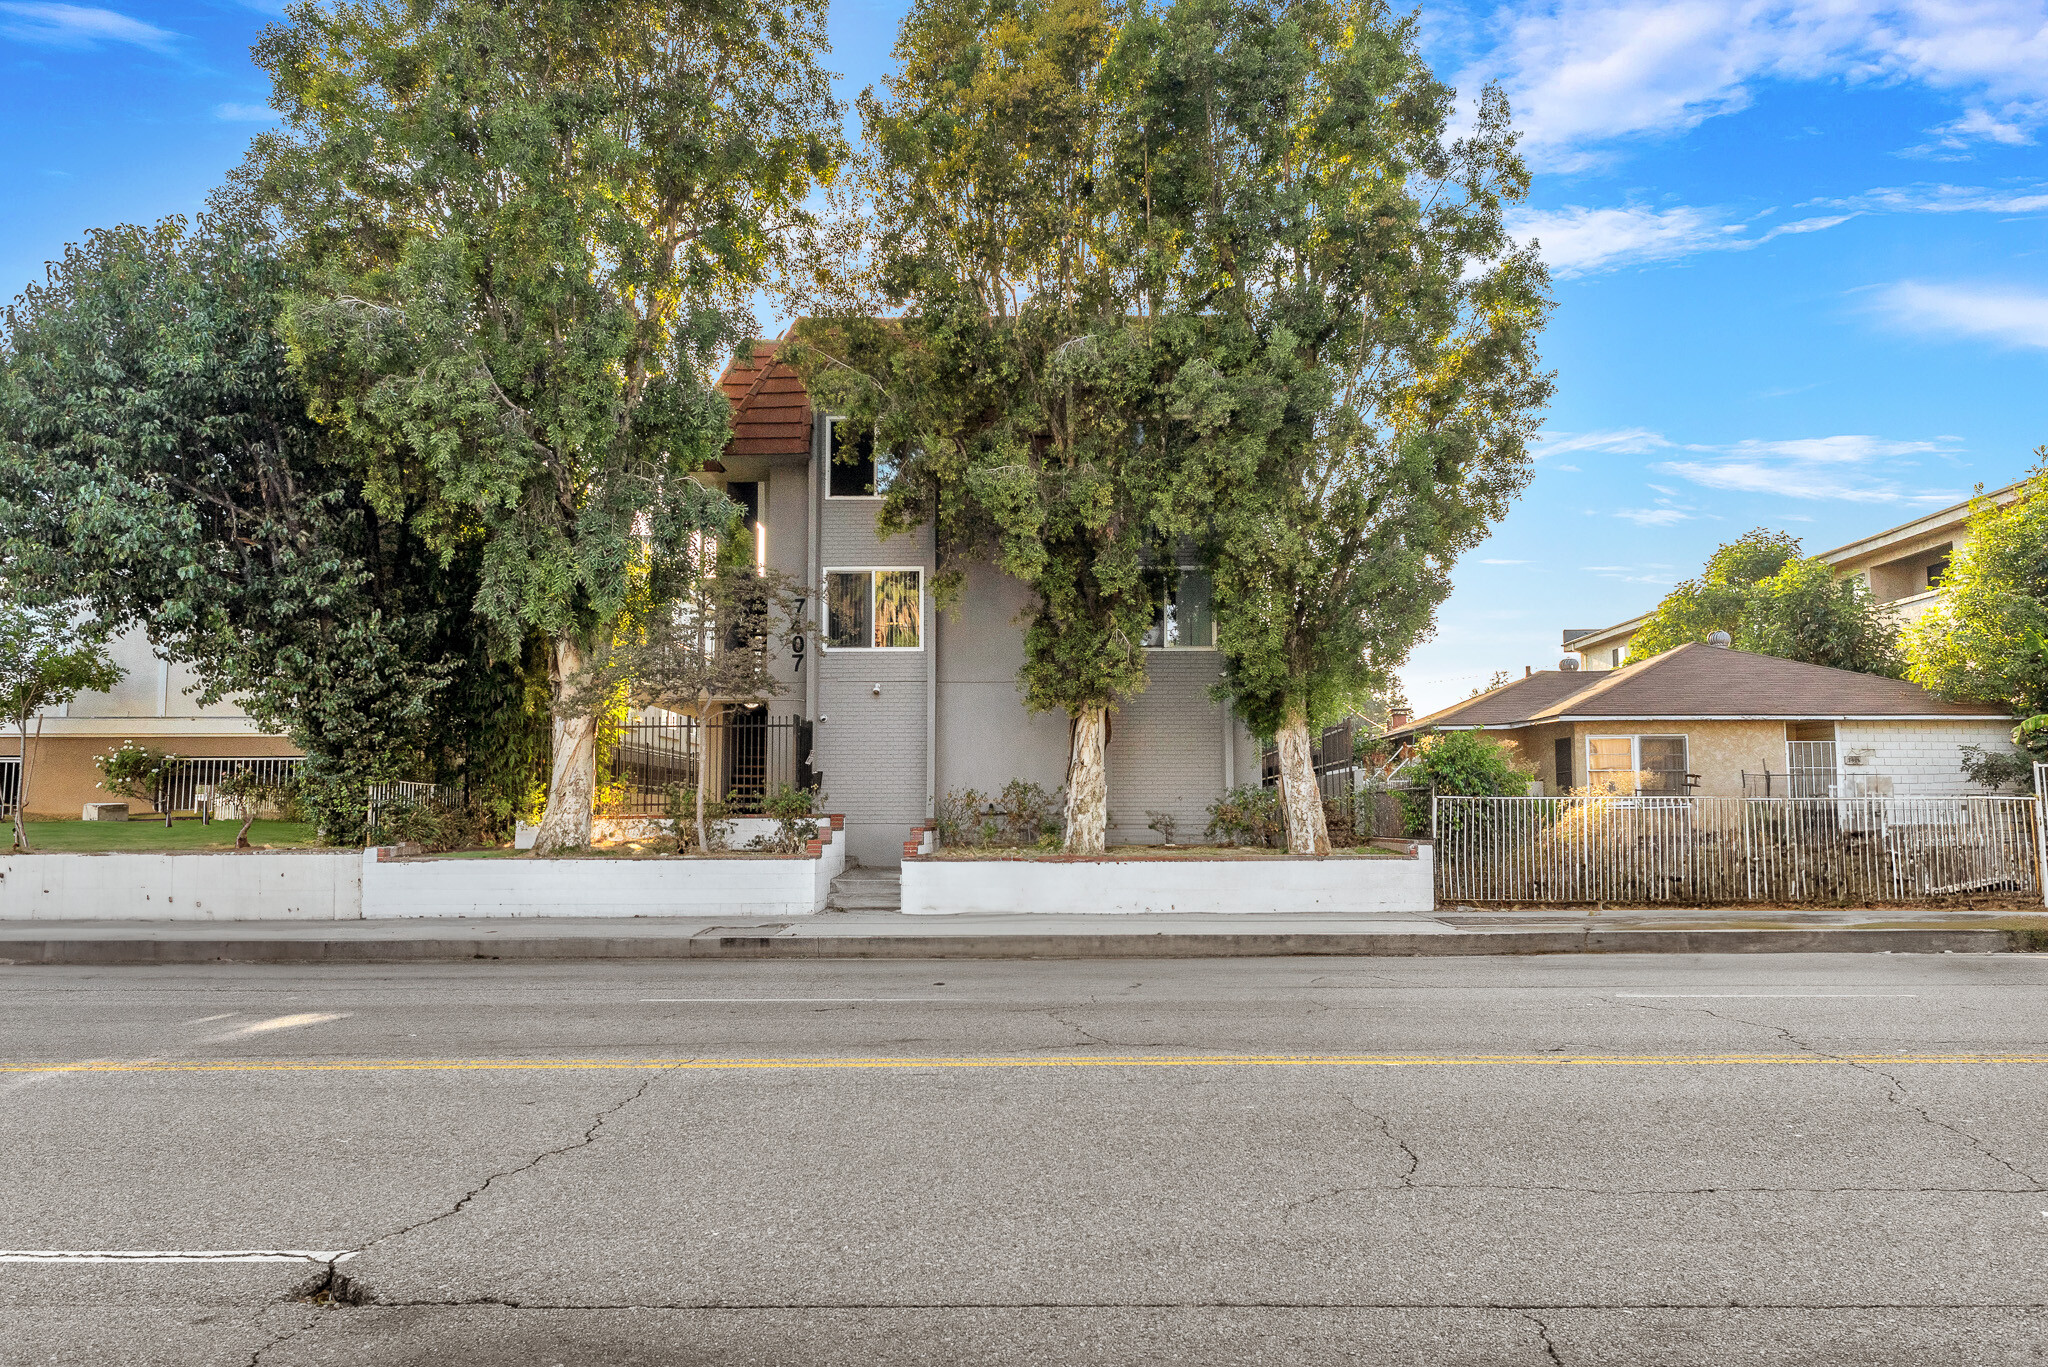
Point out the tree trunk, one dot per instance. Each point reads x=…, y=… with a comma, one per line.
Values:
x=572, y=785
x=706, y=715
x=1301, y=801
x=1087, y=784
x=21, y=784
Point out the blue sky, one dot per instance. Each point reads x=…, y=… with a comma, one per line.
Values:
x=1801, y=253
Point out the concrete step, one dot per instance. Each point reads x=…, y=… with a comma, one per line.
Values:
x=866, y=890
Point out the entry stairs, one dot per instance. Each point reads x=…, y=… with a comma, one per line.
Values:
x=866, y=890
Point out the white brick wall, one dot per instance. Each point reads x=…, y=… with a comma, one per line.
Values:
x=1912, y=758
x=1166, y=749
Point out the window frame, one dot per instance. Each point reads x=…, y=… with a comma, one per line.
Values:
x=1635, y=758
x=825, y=645
x=875, y=467
x=1159, y=620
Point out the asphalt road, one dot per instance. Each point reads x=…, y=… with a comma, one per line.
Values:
x=1589, y=1160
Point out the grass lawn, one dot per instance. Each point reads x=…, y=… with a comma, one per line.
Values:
x=1137, y=852
x=149, y=837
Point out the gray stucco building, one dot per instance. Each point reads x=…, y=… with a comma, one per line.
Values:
x=907, y=703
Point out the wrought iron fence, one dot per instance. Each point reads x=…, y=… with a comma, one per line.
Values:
x=749, y=757
x=191, y=780
x=1705, y=850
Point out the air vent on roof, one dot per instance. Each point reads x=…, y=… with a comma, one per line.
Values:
x=1569, y=664
x=1721, y=639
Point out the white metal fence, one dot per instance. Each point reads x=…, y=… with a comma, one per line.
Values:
x=1708, y=850
x=10, y=783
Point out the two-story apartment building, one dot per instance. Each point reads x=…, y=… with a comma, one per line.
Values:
x=1902, y=565
x=906, y=702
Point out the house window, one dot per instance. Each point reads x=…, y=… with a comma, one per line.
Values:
x=856, y=470
x=1614, y=658
x=1185, y=618
x=1561, y=761
x=874, y=609
x=1651, y=765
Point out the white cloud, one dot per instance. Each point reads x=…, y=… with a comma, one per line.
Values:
x=1585, y=74
x=2015, y=317
x=1836, y=450
x=1507, y=562
x=1580, y=241
x=244, y=113
x=1952, y=199
x=1653, y=517
x=1792, y=480
x=1852, y=467
x=77, y=26
x=1628, y=441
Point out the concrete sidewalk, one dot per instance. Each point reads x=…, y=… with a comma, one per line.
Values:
x=889, y=936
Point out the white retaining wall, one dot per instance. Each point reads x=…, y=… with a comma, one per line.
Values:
x=266, y=886
x=792, y=885
x=935, y=887
x=1912, y=758
x=349, y=885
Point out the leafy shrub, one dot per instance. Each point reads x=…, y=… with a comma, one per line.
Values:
x=961, y=822
x=1165, y=823
x=246, y=792
x=1459, y=764
x=135, y=771
x=432, y=826
x=680, y=814
x=1022, y=815
x=794, y=829
x=1029, y=813
x=1247, y=815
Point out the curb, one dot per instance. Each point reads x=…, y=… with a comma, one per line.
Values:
x=109, y=952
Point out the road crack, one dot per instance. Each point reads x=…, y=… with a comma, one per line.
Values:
x=1896, y=1091
x=1543, y=1332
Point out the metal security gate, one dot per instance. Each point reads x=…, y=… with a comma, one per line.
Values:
x=749, y=755
x=1705, y=851
x=10, y=783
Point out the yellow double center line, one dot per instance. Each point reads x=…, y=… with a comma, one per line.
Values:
x=831, y=1064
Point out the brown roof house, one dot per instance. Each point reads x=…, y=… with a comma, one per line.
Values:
x=1708, y=721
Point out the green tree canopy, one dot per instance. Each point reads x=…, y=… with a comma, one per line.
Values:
x=531, y=228
x=1359, y=379
x=1987, y=638
x=1017, y=386
x=1773, y=601
x=157, y=465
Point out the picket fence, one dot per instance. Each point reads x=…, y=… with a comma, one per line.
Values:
x=1708, y=850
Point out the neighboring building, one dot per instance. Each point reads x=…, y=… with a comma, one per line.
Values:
x=1707, y=721
x=905, y=703
x=152, y=705
x=1902, y=566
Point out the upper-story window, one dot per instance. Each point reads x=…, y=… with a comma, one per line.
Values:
x=857, y=469
x=874, y=609
x=1185, y=618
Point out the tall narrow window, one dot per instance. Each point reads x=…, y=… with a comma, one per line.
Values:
x=846, y=597
x=1562, y=761
x=858, y=470
x=874, y=609
x=1186, y=617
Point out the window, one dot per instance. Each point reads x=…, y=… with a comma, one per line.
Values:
x=856, y=470
x=1561, y=761
x=874, y=609
x=1648, y=765
x=1186, y=617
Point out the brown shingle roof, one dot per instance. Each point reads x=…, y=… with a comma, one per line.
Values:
x=771, y=411
x=1699, y=682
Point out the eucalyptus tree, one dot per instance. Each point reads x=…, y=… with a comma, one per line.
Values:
x=1356, y=409
x=1014, y=388
x=531, y=229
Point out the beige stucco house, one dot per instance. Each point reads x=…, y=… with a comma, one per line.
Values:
x=1708, y=721
x=1902, y=566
